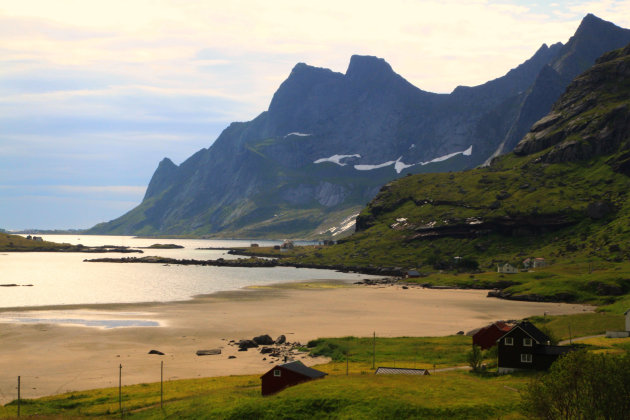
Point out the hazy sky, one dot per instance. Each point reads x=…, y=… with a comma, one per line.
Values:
x=94, y=93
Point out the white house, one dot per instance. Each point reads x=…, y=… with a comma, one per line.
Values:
x=539, y=263
x=621, y=334
x=506, y=269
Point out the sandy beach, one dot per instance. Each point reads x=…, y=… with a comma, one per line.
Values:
x=52, y=358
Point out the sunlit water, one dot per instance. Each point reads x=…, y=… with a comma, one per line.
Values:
x=54, y=278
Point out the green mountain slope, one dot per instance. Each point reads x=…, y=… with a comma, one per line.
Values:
x=562, y=195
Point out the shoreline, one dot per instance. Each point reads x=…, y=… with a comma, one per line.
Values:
x=235, y=294
x=53, y=359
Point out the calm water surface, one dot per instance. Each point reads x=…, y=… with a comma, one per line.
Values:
x=53, y=278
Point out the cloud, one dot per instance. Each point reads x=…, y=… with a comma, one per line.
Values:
x=97, y=93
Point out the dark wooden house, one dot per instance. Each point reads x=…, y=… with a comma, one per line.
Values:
x=286, y=375
x=525, y=347
x=487, y=336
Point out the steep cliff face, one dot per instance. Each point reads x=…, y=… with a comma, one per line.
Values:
x=329, y=141
x=592, y=118
x=593, y=38
x=564, y=190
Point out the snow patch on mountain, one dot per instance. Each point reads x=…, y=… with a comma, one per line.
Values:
x=345, y=225
x=336, y=159
x=370, y=167
x=466, y=152
x=298, y=134
x=400, y=166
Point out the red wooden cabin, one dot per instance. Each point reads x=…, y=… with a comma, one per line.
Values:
x=288, y=374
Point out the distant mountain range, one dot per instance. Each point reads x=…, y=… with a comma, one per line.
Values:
x=329, y=141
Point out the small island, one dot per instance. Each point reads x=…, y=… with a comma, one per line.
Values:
x=162, y=246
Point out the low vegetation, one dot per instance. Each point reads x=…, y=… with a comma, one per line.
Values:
x=584, y=386
x=17, y=243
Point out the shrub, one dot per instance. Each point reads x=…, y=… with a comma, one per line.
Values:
x=581, y=385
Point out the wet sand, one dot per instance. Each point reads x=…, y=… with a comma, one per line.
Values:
x=54, y=358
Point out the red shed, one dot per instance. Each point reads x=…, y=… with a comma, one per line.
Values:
x=488, y=335
x=288, y=374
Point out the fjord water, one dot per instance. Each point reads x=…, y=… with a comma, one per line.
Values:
x=58, y=278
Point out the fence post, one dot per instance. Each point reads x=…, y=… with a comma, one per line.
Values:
x=161, y=384
x=18, y=399
x=120, y=389
x=374, y=350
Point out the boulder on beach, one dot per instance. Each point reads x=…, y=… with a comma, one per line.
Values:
x=247, y=344
x=263, y=340
x=281, y=340
x=156, y=352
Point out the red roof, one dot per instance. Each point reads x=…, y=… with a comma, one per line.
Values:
x=488, y=335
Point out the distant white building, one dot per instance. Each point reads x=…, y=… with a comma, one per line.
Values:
x=621, y=334
x=540, y=262
x=506, y=269
x=534, y=263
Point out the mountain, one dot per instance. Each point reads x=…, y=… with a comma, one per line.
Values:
x=562, y=194
x=592, y=38
x=329, y=141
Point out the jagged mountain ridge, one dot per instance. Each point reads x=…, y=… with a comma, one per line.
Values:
x=562, y=194
x=329, y=141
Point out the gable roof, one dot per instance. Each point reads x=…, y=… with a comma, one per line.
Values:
x=400, y=371
x=299, y=367
x=529, y=329
x=487, y=336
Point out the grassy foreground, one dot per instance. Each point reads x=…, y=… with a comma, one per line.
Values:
x=456, y=394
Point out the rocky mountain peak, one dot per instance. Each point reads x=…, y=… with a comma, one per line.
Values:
x=298, y=86
x=162, y=178
x=366, y=68
x=591, y=23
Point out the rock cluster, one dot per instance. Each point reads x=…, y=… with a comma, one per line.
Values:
x=276, y=351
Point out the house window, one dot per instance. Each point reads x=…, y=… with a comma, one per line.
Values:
x=277, y=372
x=527, y=342
x=509, y=341
x=526, y=358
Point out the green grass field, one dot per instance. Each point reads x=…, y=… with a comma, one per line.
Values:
x=458, y=395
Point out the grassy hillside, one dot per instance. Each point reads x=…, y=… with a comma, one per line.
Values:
x=19, y=243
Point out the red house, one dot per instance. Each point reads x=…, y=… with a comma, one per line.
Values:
x=488, y=336
x=286, y=375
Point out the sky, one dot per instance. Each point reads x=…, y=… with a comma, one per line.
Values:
x=94, y=93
